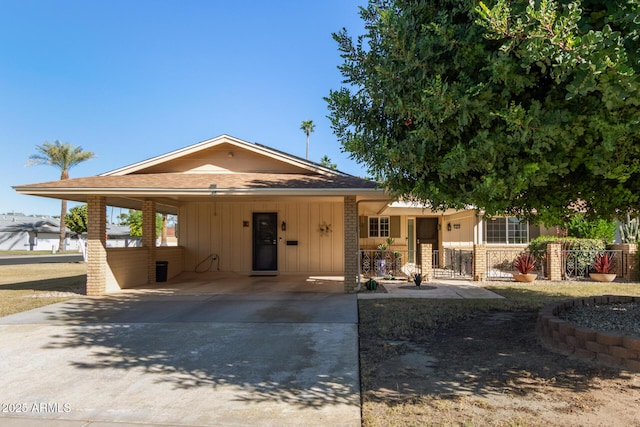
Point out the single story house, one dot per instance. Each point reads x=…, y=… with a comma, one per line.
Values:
x=33, y=233
x=258, y=210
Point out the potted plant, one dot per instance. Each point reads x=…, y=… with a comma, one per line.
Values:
x=603, y=265
x=524, y=263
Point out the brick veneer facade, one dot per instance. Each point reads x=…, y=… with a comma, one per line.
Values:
x=479, y=262
x=607, y=348
x=96, y=246
x=350, y=244
x=149, y=237
x=426, y=261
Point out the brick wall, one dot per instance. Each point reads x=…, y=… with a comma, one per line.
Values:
x=96, y=246
x=149, y=237
x=350, y=244
x=607, y=348
x=479, y=262
x=426, y=260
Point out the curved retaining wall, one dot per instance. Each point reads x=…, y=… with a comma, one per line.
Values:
x=607, y=348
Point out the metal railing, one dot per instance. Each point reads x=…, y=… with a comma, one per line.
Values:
x=452, y=263
x=500, y=263
x=387, y=263
x=578, y=263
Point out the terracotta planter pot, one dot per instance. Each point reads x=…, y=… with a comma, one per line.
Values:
x=602, y=277
x=526, y=278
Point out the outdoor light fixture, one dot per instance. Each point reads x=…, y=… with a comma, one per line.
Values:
x=449, y=226
x=283, y=227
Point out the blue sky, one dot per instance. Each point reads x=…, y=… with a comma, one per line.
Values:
x=130, y=80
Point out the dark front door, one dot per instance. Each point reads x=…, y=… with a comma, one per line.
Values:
x=426, y=232
x=265, y=241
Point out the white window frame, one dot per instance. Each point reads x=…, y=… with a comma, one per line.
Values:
x=510, y=231
x=379, y=229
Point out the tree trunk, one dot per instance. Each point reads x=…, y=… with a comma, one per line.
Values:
x=63, y=228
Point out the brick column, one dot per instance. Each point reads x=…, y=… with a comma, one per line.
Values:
x=479, y=263
x=350, y=244
x=554, y=261
x=149, y=237
x=426, y=261
x=96, y=246
x=628, y=265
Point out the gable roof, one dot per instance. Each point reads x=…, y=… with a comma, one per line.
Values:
x=219, y=167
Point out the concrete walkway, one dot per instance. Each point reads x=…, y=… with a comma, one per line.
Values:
x=436, y=289
x=183, y=360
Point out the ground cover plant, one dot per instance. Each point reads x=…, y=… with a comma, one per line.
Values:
x=28, y=286
x=478, y=362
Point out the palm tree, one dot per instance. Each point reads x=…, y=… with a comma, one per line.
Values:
x=327, y=163
x=64, y=156
x=307, y=127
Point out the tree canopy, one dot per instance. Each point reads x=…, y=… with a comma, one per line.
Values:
x=514, y=107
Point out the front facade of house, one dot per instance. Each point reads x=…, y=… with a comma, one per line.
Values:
x=256, y=210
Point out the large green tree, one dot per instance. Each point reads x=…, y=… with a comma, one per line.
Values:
x=510, y=106
x=64, y=156
x=76, y=220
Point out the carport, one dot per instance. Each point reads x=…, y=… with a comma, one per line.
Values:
x=258, y=211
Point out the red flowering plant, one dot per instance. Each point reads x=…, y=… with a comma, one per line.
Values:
x=524, y=263
x=603, y=263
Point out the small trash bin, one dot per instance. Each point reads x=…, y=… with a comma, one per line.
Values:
x=161, y=271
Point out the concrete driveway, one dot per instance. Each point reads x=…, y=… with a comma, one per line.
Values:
x=265, y=359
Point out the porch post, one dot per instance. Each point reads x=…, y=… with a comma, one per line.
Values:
x=479, y=263
x=426, y=261
x=96, y=246
x=554, y=261
x=149, y=237
x=350, y=244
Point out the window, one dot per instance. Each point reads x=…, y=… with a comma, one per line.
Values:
x=508, y=230
x=378, y=226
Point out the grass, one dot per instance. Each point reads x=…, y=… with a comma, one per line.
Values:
x=29, y=286
x=384, y=321
x=33, y=253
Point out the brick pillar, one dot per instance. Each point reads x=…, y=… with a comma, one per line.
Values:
x=628, y=265
x=554, y=261
x=96, y=246
x=149, y=237
x=479, y=263
x=426, y=261
x=350, y=244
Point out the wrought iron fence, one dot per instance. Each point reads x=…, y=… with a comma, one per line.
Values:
x=452, y=263
x=500, y=263
x=388, y=263
x=578, y=263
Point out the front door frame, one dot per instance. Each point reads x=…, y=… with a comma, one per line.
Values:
x=264, y=253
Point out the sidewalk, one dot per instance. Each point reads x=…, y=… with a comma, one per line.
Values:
x=436, y=289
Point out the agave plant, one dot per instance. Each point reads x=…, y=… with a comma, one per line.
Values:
x=630, y=230
x=524, y=263
x=603, y=263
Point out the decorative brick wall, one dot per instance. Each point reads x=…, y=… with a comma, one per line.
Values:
x=554, y=261
x=149, y=237
x=426, y=261
x=96, y=246
x=350, y=244
x=479, y=262
x=607, y=348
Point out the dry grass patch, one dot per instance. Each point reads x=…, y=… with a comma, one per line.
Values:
x=478, y=362
x=28, y=286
